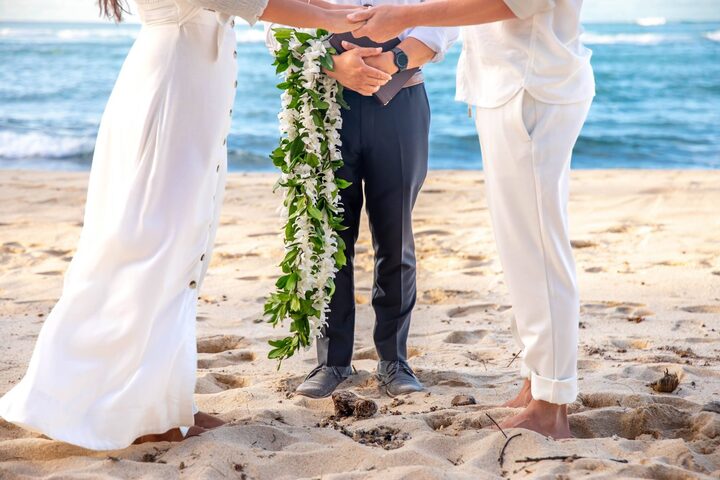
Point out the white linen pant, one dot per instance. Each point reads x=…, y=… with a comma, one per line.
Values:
x=526, y=148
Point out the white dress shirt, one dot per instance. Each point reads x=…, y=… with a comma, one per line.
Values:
x=438, y=39
x=540, y=52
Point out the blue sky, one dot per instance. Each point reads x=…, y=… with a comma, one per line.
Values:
x=594, y=10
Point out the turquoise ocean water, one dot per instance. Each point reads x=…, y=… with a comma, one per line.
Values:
x=657, y=104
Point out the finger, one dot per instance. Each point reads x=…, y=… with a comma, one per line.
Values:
x=364, y=51
x=374, y=85
x=376, y=74
x=361, y=15
x=370, y=87
x=360, y=32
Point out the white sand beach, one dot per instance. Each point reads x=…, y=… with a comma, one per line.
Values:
x=647, y=246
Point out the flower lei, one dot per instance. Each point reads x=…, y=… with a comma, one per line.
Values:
x=308, y=156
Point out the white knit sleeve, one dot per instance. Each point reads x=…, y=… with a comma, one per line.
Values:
x=249, y=10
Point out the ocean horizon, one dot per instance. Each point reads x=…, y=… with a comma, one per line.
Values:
x=657, y=104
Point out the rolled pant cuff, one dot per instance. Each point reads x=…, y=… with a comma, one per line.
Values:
x=554, y=391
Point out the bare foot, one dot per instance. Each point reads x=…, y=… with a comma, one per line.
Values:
x=545, y=418
x=172, y=435
x=523, y=397
x=205, y=420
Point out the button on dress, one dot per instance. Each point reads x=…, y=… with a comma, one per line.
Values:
x=116, y=357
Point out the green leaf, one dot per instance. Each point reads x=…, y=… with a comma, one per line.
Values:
x=322, y=105
x=317, y=119
x=314, y=212
x=302, y=36
x=292, y=281
x=312, y=160
x=340, y=259
x=327, y=62
x=340, y=98
x=282, y=281
x=342, y=183
x=290, y=257
x=282, y=33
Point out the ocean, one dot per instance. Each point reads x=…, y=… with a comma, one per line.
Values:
x=657, y=103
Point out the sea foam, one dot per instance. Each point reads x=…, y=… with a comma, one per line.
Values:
x=84, y=35
x=714, y=36
x=623, y=38
x=651, y=21
x=38, y=145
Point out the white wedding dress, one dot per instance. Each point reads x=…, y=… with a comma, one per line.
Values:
x=116, y=358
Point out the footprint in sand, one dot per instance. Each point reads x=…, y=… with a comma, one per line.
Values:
x=431, y=378
x=628, y=344
x=649, y=419
x=624, y=309
x=51, y=273
x=620, y=228
x=432, y=232
x=249, y=278
x=56, y=252
x=369, y=353
x=219, y=382
x=225, y=359
x=235, y=256
x=262, y=234
x=220, y=343
x=702, y=309
x=582, y=244
x=437, y=296
x=468, y=310
x=231, y=381
x=465, y=337
x=222, y=350
x=440, y=421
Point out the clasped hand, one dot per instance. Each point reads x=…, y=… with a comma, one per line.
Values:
x=361, y=69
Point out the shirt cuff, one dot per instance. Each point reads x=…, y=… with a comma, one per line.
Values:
x=438, y=42
x=257, y=7
x=527, y=8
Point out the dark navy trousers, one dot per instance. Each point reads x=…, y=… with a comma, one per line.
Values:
x=385, y=154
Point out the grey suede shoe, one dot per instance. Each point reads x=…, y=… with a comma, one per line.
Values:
x=397, y=378
x=322, y=381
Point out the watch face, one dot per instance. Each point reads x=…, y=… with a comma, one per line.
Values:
x=401, y=58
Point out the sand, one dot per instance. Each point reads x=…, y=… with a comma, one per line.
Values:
x=646, y=244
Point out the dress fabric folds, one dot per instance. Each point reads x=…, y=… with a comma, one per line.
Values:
x=116, y=357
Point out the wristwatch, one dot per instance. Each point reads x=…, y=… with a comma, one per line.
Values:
x=400, y=58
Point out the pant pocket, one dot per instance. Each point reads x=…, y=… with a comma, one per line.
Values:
x=524, y=114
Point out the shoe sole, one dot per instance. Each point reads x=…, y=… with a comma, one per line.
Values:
x=387, y=392
x=314, y=397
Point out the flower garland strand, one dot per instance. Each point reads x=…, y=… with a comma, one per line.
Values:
x=308, y=157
